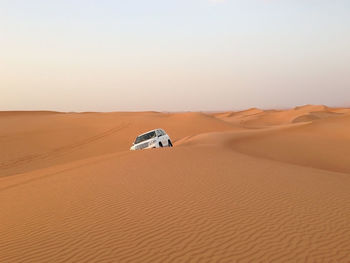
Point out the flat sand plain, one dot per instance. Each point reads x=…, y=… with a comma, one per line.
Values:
x=248, y=186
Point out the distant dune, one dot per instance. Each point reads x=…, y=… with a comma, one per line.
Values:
x=249, y=186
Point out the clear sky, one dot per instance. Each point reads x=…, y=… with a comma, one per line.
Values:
x=173, y=55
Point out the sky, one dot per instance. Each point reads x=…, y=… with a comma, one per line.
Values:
x=173, y=55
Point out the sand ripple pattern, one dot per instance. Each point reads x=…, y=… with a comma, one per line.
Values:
x=234, y=208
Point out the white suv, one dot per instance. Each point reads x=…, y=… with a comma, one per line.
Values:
x=152, y=139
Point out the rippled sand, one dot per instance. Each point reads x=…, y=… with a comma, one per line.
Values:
x=249, y=186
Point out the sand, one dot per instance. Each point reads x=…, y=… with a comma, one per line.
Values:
x=249, y=186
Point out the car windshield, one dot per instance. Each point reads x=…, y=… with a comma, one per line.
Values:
x=145, y=137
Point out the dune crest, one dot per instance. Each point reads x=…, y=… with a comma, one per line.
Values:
x=256, y=118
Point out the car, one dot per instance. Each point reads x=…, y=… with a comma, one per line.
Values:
x=152, y=139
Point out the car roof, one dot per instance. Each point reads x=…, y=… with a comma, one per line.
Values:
x=150, y=131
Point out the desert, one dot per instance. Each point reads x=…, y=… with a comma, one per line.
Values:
x=239, y=186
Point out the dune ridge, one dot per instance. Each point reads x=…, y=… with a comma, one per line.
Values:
x=249, y=186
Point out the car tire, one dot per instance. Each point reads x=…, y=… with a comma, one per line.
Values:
x=160, y=145
x=170, y=143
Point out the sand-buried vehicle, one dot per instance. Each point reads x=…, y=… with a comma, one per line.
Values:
x=157, y=138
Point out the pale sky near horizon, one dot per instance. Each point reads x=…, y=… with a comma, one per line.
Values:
x=173, y=55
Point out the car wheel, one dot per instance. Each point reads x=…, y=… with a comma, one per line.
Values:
x=160, y=144
x=170, y=144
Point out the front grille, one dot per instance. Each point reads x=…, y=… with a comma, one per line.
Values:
x=142, y=146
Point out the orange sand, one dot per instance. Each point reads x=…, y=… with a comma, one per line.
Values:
x=249, y=186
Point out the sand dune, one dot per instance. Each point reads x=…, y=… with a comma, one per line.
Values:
x=256, y=118
x=249, y=186
x=324, y=145
x=38, y=141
